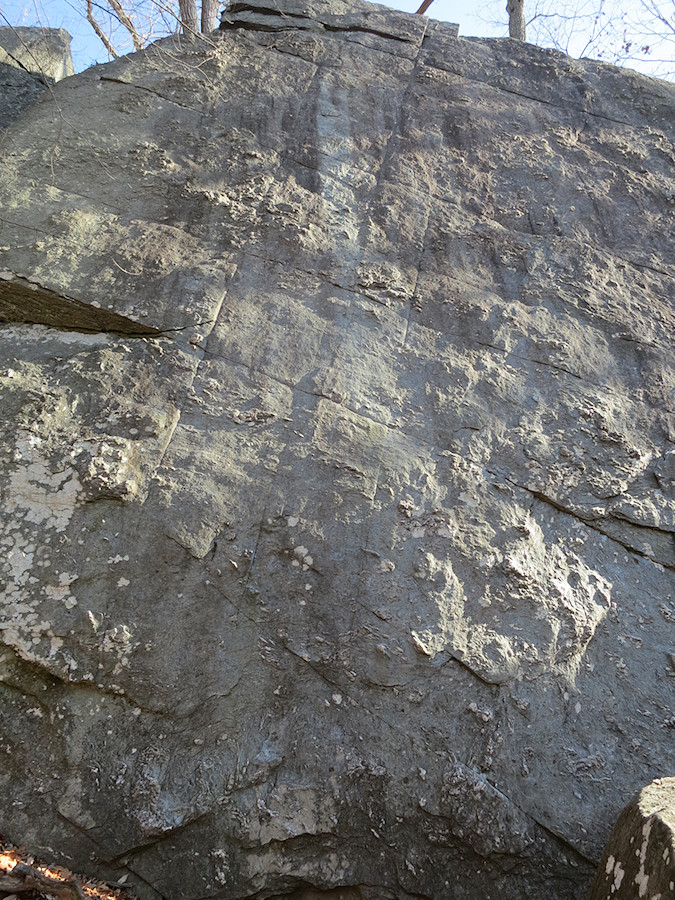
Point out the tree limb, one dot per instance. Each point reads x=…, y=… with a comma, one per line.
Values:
x=128, y=24
x=99, y=31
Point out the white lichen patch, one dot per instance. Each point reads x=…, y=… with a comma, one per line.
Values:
x=618, y=872
x=642, y=877
x=39, y=500
x=302, y=558
x=62, y=590
x=19, y=557
x=36, y=494
x=221, y=865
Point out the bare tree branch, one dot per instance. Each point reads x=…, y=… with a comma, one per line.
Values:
x=653, y=10
x=99, y=31
x=617, y=31
x=128, y=24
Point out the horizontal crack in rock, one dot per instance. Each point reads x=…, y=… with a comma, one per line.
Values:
x=593, y=524
x=302, y=23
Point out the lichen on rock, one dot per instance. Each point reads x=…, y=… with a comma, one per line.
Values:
x=336, y=505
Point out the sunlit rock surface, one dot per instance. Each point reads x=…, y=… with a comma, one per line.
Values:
x=639, y=859
x=336, y=378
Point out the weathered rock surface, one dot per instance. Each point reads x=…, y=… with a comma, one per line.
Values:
x=639, y=860
x=44, y=51
x=338, y=506
x=30, y=60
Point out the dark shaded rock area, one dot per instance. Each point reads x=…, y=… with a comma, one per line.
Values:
x=337, y=500
x=31, y=60
x=639, y=860
x=27, y=302
x=18, y=91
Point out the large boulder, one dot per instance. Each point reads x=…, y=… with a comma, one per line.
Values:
x=31, y=59
x=337, y=502
x=639, y=860
x=43, y=51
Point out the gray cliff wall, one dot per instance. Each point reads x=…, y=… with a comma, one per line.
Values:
x=337, y=503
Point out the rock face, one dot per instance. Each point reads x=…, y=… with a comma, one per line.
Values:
x=639, y=859
x=44, y=51
x=337, y=503
x=30, y=60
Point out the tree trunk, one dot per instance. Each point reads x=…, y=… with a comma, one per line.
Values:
x=188, y=16
x=209, y=13
x=516, y=11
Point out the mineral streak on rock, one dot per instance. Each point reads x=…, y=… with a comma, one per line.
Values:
x=337, y=495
